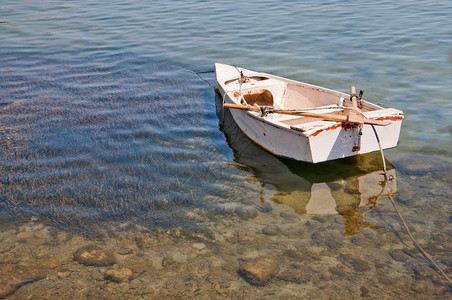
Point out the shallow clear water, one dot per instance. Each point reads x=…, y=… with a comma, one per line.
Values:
x=108, y=136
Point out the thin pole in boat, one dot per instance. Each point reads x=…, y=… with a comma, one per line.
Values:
x=241, y=80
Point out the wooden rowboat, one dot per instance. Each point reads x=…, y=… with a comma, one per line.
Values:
x=302, y=121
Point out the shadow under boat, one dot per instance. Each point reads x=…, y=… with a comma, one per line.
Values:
x=348, y=186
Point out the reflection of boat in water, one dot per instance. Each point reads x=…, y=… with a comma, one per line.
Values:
x=346, y=187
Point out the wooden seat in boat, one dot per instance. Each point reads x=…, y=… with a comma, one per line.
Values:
x=261, y=97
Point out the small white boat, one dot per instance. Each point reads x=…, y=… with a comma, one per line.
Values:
x=302, y=121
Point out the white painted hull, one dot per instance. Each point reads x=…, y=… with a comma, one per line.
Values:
x=298, y=138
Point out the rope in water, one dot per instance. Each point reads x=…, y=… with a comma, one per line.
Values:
x=205, y=80
x=426, y=255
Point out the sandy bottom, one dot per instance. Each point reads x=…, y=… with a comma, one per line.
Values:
x=310, y=257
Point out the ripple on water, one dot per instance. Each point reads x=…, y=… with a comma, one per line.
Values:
x=105, y=138
x=84, y=139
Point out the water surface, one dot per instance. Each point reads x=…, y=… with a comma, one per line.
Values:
x=108, y=136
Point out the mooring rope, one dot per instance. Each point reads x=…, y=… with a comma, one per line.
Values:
x=425, y=253
x=205, y=80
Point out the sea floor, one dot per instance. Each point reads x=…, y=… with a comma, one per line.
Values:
x=256, y=250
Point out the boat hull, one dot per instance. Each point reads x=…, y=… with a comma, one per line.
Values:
x=320, y=141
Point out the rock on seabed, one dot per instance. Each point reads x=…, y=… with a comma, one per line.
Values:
x=92, y=255
x=246, y=212
x=119, y=275
x=14, y=276
x=259, y=271
x=271, y=230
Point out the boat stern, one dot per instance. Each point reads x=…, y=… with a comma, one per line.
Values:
x=339, y=140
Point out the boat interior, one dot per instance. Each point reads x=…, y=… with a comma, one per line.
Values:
x=262, y=97
x=294, y=96
x=298, y=96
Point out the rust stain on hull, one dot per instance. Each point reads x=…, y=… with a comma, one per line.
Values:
x=346, y=126
x=391, y=118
